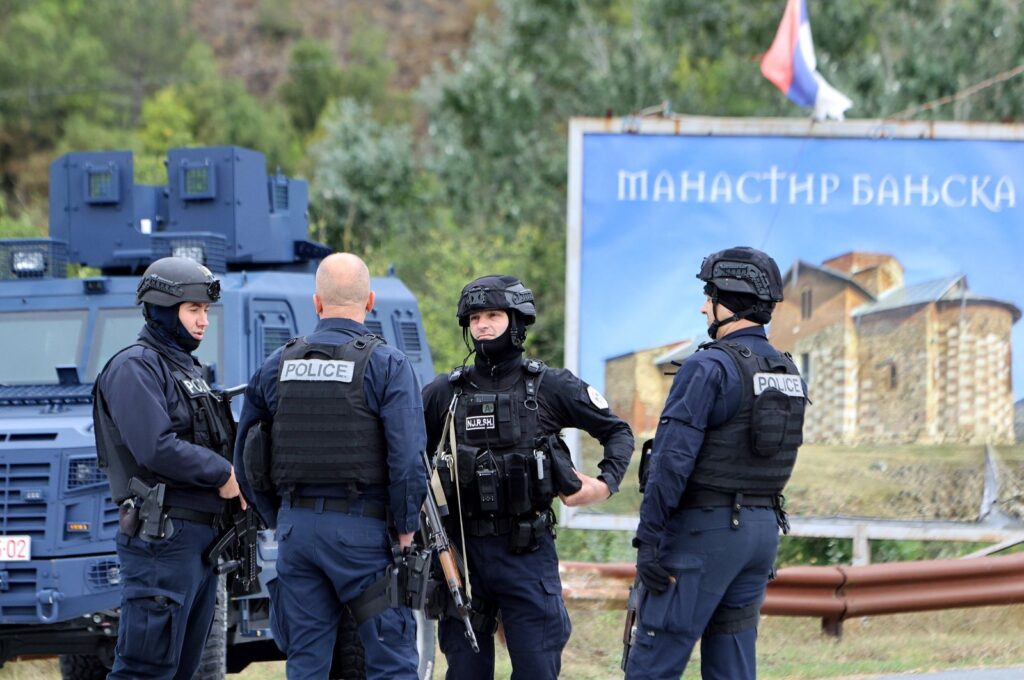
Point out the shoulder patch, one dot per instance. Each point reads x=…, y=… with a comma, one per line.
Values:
x=596, y=398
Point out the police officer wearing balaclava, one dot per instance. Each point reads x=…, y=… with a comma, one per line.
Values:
x=501, y=469
x=158, y=423
x=724, y=449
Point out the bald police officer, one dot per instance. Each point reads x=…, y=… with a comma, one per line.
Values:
x=725, y=447
x=166, y=451
x=502, y=468
x=346, y=421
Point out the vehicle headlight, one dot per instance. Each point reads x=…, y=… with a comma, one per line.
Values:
x=28, y=262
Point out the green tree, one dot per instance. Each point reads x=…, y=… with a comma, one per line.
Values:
x=314, y=79
x=366, y=189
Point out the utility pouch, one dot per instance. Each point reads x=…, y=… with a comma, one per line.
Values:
x=128, y=518
x=487, y=489
x=768, y=428
x=563, y=472
x=466, y=460
x=201, y=428
x=256, y=457
x=517, y=478
x=525, y=536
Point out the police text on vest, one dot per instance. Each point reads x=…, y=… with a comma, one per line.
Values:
x=787, y=384
x=330, y=370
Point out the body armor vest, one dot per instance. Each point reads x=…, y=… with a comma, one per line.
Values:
x=206, y=426
x=504, y=464
x=324, y=432
x=754, y=452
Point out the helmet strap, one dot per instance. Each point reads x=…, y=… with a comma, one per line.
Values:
x=718, y=323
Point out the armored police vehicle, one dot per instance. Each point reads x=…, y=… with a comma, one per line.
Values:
x=59, y=573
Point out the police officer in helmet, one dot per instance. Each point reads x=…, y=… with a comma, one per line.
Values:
x=166, y=449
x=345, y=470
x=712, y=509
x=501, y=469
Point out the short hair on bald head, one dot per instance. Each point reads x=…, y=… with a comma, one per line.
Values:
x=343, y=280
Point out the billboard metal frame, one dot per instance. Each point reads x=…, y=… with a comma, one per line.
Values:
x=705, y=126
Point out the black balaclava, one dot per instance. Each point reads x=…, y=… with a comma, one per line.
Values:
x=493, y=356
x=168, y=327
x=742, y=305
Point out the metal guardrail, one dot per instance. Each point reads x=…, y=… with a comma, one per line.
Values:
x=841, y=592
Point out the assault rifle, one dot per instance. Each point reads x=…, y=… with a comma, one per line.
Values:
x=447, y=556
x=239, y=542
x=238, y=545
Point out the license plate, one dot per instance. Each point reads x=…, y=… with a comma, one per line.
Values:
x=15, y=548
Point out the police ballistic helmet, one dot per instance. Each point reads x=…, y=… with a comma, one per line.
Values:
x=743, y=270
x=171, y=280
x=496, y=292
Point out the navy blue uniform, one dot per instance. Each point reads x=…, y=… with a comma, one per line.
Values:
x=717, y=566
x=169, y=594
x=326, y=558
x=525, y=588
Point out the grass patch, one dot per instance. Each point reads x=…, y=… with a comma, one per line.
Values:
x=1011, y=473
x=913, y=482
x=788, y=648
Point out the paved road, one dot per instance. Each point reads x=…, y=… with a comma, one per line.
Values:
x=978, y=674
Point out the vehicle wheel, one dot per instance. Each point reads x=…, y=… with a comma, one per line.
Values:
x=213, y=664
x=82, y=667
x=349, y=658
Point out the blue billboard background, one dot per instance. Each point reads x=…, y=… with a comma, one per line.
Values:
x=654, y=205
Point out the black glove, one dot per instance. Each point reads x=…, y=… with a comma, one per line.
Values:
x=653, y=575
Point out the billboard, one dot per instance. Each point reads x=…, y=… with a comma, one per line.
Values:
x=900, y=245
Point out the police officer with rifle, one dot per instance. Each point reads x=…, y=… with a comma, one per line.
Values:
x=725, y=447
x=330, y=442
x=501, y=462
x=165, y=444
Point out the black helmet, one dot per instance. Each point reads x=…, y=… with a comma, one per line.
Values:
x=496, y=292
x=171, y=280
x=743, y=270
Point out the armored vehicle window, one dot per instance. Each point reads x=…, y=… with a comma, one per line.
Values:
x=33, y=344
x=118, y=328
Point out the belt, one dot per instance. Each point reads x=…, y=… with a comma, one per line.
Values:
x=499, y=526
x=705, y=498
x=372, y=510
x=208, y=518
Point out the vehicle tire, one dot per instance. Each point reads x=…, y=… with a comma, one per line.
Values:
x=82, y=667
x=349, y=658
x=213, y=663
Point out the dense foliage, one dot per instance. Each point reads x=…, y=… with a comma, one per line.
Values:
x=466, y=174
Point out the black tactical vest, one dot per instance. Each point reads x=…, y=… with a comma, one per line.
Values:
x=206, y=426
x=754, y=452
x=324, y=433
x=504, y=464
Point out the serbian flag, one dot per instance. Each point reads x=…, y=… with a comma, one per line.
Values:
x=790, y=64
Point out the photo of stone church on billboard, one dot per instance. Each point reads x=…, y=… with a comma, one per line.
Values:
x=886, y=361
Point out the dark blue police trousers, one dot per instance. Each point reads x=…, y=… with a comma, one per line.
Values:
x=715, y=566
x=527, y=590
x=167, y=604
x=325, y=559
